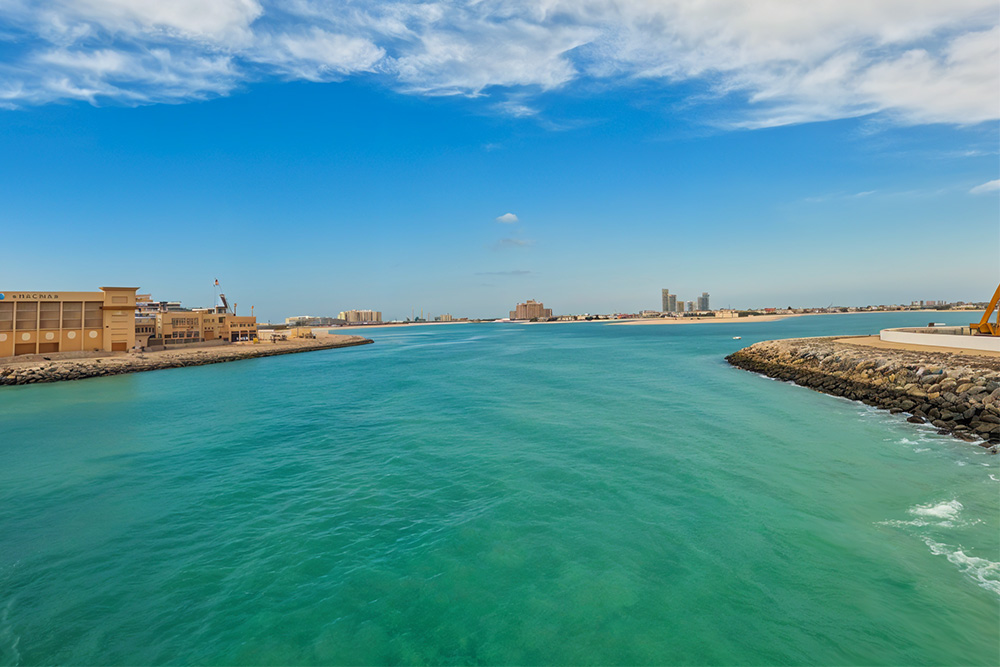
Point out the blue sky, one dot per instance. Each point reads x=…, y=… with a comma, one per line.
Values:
x=316, y=156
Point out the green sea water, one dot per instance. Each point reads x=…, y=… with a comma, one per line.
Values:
x=493, y=494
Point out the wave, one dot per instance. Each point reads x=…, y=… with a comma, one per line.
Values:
x=940, y=514
x=985, y=573
x=946, y=510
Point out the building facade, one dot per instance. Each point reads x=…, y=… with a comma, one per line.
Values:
x=112, y=320
x=37, y=322
x=180, y=327
x=703, y=302
x=530, y=310
x=360, y=316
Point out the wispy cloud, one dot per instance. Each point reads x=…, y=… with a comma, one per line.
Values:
x=985, y=188
x=831, y=197
x=504, y=273
x=512, y=243
x=774, y=62
x=507, y=219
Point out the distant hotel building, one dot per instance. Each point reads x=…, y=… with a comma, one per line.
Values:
x=703, y=302
x=360, y=316
x=112, y=320
x=530, y=310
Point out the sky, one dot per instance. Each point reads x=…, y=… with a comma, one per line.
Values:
x=459, y=157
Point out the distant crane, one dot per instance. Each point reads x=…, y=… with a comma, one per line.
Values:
x=222, y=297
x=985, y=327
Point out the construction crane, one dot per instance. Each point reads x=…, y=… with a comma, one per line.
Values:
x=985, y=327
x=222, y=297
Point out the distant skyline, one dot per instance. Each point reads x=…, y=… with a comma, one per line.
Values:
x=459, y=158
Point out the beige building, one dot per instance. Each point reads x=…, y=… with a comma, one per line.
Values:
x=111, y=320
x=360, y=316
x=530, y=310
x=38, y=322
x=178, y=327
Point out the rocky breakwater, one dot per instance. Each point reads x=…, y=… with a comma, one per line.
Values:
x=15, y=372
x=959, y=394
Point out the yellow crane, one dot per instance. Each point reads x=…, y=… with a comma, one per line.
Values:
x=985, y=327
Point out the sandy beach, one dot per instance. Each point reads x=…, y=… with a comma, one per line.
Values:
x=708, y=320
x=376, y=327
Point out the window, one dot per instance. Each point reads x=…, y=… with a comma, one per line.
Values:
x=6, y=316
x=27, y=315
x=92, y=317
x=72, y=315
x=48, y=315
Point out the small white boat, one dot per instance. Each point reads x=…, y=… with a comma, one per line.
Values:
x=737, y=337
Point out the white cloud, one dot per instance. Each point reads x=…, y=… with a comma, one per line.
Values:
x=507, y=218
x=987, y=187
x=318, y=55
x=776, y=62
x=215, y=20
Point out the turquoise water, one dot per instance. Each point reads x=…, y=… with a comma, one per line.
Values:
x=492, y=494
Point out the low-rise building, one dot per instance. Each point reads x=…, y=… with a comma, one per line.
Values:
x=360, y=316
x=112, y=320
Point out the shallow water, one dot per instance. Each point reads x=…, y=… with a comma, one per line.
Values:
x=494, y=494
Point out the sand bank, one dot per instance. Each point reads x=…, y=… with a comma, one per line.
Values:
x=376, y=327
x=708, y=320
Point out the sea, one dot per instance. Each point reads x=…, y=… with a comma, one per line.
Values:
x=493, y=494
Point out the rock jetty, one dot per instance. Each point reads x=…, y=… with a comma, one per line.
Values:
x=959, y=394
x=15, y=372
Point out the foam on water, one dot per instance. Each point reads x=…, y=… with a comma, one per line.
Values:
x=947, y=510
x=984, y=572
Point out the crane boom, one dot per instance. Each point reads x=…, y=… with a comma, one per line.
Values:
x=985, y=327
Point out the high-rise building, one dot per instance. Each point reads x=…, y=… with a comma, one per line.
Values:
x=669, y=301
x=703, y=301
x=530, y=310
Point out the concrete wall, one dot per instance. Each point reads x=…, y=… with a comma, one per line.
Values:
x=950, y=340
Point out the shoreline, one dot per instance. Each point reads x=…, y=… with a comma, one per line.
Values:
x=13, y=372
x=956, y=392
x=376, y=327
x=709, y=320
x=773, y=318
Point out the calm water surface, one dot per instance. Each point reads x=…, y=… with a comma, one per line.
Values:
x=492, y=494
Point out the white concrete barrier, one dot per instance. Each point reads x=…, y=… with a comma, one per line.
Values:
x=950, y=340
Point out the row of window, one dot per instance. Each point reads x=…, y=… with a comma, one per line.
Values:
x=30, y=315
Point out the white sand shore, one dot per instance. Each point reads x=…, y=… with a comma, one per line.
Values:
x=708, y=320
x=376, y=327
